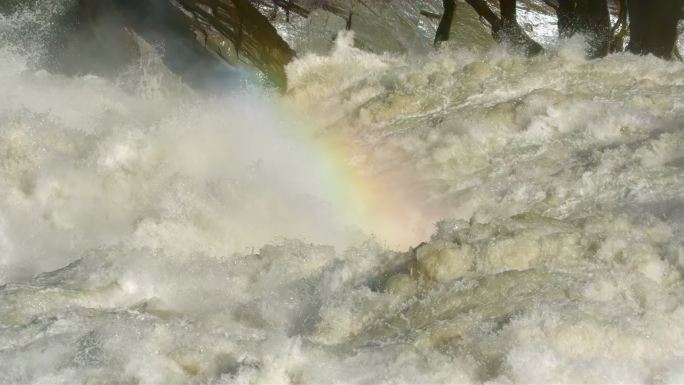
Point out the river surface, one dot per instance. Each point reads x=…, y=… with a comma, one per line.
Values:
x=461, y=216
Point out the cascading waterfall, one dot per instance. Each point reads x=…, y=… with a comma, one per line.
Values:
x=459, y=216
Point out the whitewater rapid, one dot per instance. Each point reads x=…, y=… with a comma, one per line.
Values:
x=152, y=235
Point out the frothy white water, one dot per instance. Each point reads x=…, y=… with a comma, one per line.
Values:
x=87, y=165
x=559, y=259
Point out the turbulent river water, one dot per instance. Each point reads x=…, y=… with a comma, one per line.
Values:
x=459, y=217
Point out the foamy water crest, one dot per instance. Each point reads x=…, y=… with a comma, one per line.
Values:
x=151, y=235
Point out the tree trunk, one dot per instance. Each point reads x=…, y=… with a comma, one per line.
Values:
x=593, y=21
x=506, y=29
x=653, y=26
x=445, y=23
x=483, y=10
x=590, y=18
x=508, y=10
x=565, y=11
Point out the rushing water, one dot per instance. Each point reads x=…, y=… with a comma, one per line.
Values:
x=152, y=235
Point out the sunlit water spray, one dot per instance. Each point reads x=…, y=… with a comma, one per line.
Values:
x=152, y=235
x=91, y=161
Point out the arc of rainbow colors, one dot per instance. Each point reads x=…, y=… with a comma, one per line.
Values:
x=366, y=201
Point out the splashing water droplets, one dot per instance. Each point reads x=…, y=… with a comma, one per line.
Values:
x=150, y=234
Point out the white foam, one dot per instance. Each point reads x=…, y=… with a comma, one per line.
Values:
x=559, y=260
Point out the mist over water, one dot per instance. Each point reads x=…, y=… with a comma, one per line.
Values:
x=151, y=234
